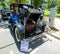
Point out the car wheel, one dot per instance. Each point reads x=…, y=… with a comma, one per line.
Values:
x=43, y=28
x=17, y=34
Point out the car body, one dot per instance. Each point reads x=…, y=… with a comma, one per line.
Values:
x=24, y=23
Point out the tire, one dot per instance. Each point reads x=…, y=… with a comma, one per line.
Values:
x=18, y=35
x=43, y=28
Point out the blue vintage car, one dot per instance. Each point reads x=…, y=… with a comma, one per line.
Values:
x=5, y=13
x=24, y=20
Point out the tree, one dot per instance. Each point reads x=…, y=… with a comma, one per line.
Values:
x=25, y=1
x=37, y=3
x=49, y=3
x=58, y=6
x=19, y=1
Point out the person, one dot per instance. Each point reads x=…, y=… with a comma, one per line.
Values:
x=41, y=23
x=14, y=17
x=41, y=11
x=52, y=14
x=21, y=14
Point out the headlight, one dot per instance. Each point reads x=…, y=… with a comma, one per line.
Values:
x=20, y=27
x=41, y=23
x=9, y=17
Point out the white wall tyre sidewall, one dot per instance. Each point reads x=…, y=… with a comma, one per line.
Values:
x=16, y=30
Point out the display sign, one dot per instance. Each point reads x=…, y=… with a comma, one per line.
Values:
x=24, y=45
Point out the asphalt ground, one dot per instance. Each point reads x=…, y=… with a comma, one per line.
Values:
x=40, y=44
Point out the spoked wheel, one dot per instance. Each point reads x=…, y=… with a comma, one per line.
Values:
x=18, y=35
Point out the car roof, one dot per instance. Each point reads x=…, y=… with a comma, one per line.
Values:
x=21, y=5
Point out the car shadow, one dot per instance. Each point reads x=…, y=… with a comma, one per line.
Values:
x=53, y=35
x=33, y=43
x=12, y=34
x=53, y=28
x=37, y=42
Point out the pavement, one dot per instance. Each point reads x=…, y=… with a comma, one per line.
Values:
x=49, y=47
x=45, y=45
x=8, y=44
x=55, y=32
x=48, y=44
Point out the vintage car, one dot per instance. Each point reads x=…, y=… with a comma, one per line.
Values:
x=5, y=13
x=24, y=21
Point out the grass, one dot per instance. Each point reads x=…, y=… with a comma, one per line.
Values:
x=58, y=15
x=0, y=7
x=47, y=13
